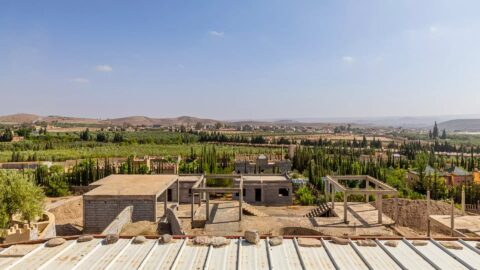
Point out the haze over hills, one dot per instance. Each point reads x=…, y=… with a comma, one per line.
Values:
x=450, y=123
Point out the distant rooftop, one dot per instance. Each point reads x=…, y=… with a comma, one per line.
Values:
x=265, y=178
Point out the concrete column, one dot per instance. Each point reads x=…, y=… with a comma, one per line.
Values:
x=345, y=206
x=240, y=204
x=333, y=198
x=208, y=206
x=379, y=207
x=428, y=213
x=367, y=196
x=178, y=193
x=452, y=217
x=396, y=210
x=193, y=205
x=165, y=203
x=463, y=200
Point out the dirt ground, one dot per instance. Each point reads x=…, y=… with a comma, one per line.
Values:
x=285, y=211
x=413, y=213
x=68, y=215
x=140, y=228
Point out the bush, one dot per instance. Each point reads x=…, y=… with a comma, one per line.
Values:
x=57, y=186
x=305, y=196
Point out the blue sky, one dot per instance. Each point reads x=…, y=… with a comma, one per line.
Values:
x=240, y=59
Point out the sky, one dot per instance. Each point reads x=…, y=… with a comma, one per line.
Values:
x=250, y=59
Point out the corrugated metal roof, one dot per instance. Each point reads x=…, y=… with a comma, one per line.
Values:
x=238, y=254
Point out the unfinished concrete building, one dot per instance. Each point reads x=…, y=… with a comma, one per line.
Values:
x=266, y=189
x=114, y=193
x=262, y=164
x=362, y=185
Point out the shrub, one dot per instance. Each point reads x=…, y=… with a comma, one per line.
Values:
x=305, y=196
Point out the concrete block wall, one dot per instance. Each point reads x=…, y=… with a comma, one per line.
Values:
x=270, y=193
x=125, y=217
x=175, y=224
x=185, y=196
x=98, y=213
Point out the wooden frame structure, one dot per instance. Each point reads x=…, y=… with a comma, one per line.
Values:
x=200, y=188
x=333, y=184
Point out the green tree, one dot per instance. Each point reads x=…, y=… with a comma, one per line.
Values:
x=85, y=135
x=7, y=135
x=444, y=135
x=435, y=132
x=19, y=195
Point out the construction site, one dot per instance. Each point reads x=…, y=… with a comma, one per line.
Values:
x=359, y=224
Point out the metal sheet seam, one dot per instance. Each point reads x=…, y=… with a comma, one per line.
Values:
x=267, y=244
x=164, y=258
x=207, y=260
x=99, y=244
x=118, y=254
x=31, y=253
x=299, y=254
x=179, y=253
x=421, y=254
x=239, y=253
x=57, y=255
x=476, y=250
x=390, y=255
x=452, y=255
x=6, y=250
x=329, y=254
x=149, y=254
x=360, y=254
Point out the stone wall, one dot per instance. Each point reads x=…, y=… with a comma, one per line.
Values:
x=175, y=224
x=100, y=212
x=115, y=227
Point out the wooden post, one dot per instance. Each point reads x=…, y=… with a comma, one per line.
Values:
x=463, y=200
x=428, y=213
x=452, y=217
x=379, y=207
x=345, y=206
x=208, y=207
x=240, y=210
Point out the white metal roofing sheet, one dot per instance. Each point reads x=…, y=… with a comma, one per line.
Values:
x=181, y=254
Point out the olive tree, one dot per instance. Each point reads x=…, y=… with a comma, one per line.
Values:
x=19, y=195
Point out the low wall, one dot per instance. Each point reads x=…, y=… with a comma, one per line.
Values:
x=175, y=224
x=117, y=224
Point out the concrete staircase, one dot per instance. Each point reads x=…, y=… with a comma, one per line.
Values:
x=252, y=211
x=322, y=210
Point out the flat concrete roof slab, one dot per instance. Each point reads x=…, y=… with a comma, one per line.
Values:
x=132, y=185
x=265, y=178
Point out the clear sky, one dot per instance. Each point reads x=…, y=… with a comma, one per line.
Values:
x=249, y=59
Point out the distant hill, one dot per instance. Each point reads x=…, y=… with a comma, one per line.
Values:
x=18, y=118
x=460, y=125
x=130, y=120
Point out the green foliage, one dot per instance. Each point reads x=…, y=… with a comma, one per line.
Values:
x=19, y=195
x=6, y=136
x=305, y=196
x=57, y=186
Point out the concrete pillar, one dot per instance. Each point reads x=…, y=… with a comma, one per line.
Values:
x=463, y=200
x=333, y=198
x=165, y=203
x=379, y=208
x=240, y=211
x=208, y=207
x=428, y=213
x=396, y=210
x=367, y=196
x=193, y=205
x=345, y=206
x=452, y=217
x=178, y=193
